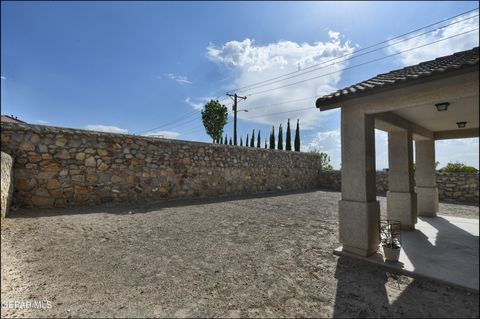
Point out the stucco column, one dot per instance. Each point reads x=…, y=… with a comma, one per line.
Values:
x=401, y=198
x=426, y=178
x=359, y=211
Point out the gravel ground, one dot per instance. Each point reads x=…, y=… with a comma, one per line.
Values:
x=246, y=257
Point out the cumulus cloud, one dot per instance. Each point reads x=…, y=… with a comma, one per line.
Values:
x=199, y=102
x=460, y=43
x=178, y=78
x=252, y=63
x=457, y=150
x=163, y=134
x=330, y=142
x=105, y=128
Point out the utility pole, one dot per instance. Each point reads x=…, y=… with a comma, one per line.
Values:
x=235, y=98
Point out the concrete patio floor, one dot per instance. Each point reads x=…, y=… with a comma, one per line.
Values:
x=442, y=248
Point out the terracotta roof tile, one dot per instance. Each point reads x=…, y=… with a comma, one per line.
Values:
x=410, y=73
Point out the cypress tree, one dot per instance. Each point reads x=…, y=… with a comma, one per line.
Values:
x=225, y=141
x=280, y=138
x=266, y=143
x=258, y=139
x=246, y=141
x=230, y=142
x=288, y=142
x=252, y=140
x=297, y=137
x=272, y=138
x=241, y=141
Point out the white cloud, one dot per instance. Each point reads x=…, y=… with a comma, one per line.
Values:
x=3, y=78
x=198, y=105
x=252, y=63
x=457, y=150
x=42, y=122
x=330, y=142
x=460, y=43
x=163, y=134
x=105, y=128
x=334, y=35
x=178, y=78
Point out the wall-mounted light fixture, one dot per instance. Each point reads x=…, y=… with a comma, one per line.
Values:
x=442, y=106
x=461, y=124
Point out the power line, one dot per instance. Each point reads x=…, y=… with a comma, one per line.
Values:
x=290, y=111
x=242, y=89
x=284, y=102
x=357, y=65
x=176, y=121
x=361, y=64
x=196, y=129
x=358, y=55
x=255, y=85
x=181, y=118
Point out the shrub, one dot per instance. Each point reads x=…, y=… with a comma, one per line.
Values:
x=324, y=159
x=458, y=167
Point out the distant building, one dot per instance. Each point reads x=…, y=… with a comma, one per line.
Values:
x=10, y=119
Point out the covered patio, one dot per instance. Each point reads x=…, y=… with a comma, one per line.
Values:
x=433, y=100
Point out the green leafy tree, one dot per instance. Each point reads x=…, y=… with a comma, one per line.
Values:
x=324, y=159
x=280, y=138
x=230, y=142
x=458, y=167
x=272, y=138
x=288, y=145
x=241, y=141
x=214, y=117
x=258, y=139
x=252, y=140
x=297, y=137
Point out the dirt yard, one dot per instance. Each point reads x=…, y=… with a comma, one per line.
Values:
x=248, y=257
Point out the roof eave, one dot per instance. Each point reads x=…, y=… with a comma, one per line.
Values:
x=337, y=102
x=324, y=106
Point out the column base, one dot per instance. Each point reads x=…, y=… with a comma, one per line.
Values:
x=402, y=207
x=427, y=199
x=359, y=224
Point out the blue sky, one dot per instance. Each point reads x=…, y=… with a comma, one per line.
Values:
x=134, y=66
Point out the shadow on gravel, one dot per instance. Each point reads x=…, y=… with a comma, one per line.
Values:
x=362, y=292
x=139, y=208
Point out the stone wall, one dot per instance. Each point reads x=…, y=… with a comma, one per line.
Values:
x=57, y=167
x=460, y=187
x=6, y=183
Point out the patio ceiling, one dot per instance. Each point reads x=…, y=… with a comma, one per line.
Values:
x=464, y=109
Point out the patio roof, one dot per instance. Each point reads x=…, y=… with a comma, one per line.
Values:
x=459, y=62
